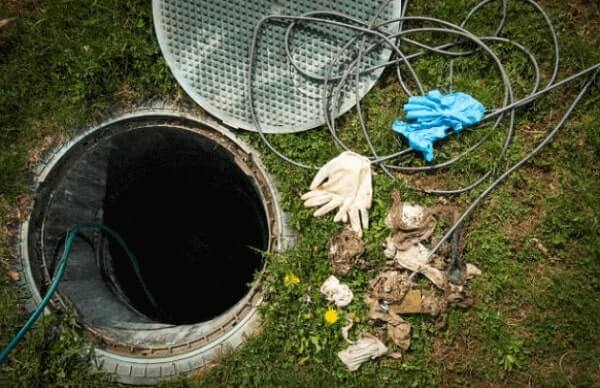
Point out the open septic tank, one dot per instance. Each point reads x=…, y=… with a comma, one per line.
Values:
x=191, y=200
x=193, y=203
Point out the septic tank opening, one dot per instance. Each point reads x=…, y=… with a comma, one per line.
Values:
x=192, y=217
x=188, y=204
x=195, y=206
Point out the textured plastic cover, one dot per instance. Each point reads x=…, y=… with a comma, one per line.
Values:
x=206, y=45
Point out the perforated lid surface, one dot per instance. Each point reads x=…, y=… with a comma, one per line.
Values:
x=206, y=45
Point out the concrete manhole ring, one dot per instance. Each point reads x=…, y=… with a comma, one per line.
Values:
x=193, y=202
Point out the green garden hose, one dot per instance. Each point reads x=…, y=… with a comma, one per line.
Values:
x=71, y=234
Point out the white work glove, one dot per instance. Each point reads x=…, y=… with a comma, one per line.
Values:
x=344, y=182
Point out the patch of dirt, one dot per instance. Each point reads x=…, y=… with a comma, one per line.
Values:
x=126, y=96
x=517, y=317
x=453, y=359
x=19, y=7
x=9, y=227
x=547, y=367
x=583, y=16
x=548, y=174
x=10, y=13
x=452, y=354
x=522, y=229
x=13, y=217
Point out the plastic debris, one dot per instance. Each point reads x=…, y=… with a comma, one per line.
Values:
x=337, y=292
x=433, y=305
x=412, y=214
x=384, y=293
x=459, y=295
x=397, y=328
x=346, y=332
x=435, y=116
x=471, y=271
x=344, y=250
x=344, y=182
x=389, y=286
x=399, y=332
x=408, y=223
x=415, y=259
x=417, y=253
x=368, y=347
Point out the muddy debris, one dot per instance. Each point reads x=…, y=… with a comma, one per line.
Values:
x=387, y=290
x=409, y=224
x=389, y=286
x=415, y=259
x=411, y=304
x=432, y=304
x=399, y=332
x=438, y=262
x=460, y=296
x=344, y=250
x=391, y=294
x=472, y=271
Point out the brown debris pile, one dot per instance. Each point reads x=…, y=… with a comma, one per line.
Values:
x=344, y=250
x=415, y=259
x=409, y=224
x=389, y=286
x=391, y=293
x=386, y=290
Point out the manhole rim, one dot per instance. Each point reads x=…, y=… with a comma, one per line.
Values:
x=123, y=359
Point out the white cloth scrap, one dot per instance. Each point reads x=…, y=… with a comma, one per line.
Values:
x=337, y=292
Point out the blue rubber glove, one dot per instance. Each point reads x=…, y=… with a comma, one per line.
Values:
x=435, y=115
x=421, y=137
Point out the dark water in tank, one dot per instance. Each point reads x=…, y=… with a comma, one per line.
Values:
x=191, y=222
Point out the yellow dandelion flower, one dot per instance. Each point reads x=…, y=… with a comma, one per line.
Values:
x=331, y=316
x=290, y=279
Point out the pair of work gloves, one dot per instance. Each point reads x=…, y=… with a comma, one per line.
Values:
x=434, y=116
x=343, y=183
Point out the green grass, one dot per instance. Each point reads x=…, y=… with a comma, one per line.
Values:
x=66, y=64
